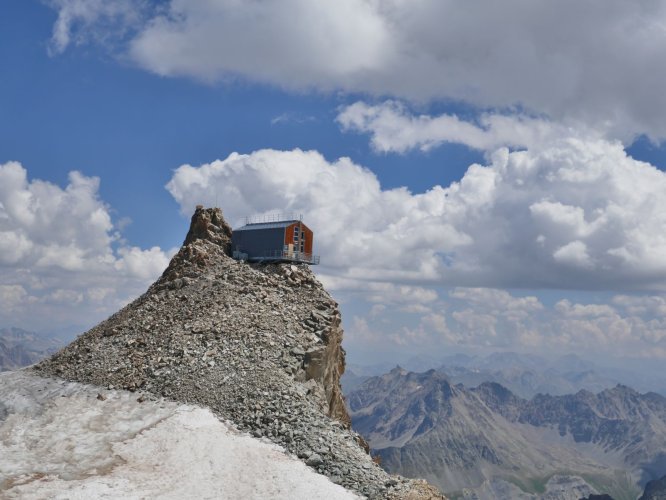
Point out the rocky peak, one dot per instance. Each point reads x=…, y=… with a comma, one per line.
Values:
x=496, y=395
x=209, y=224
x=398, y=371
x=500, y=400
x=208, y=242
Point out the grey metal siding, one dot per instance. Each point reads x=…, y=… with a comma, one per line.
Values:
x=256, y=243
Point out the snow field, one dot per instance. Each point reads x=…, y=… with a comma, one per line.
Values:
x=57, y=440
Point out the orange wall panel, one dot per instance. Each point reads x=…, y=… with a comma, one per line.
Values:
x=289, y=236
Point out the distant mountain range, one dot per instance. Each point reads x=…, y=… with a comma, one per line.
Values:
x=524, y=374
x=488, y=442
x=20, y=348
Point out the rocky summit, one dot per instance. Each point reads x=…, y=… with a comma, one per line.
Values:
x=259, y=344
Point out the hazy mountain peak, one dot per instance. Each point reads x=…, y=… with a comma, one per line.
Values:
x=19, y=347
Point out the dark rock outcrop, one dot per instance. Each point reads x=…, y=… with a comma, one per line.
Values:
x=655, y=490
x=259, y=344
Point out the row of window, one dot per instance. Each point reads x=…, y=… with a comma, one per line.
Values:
x=296, y=236
x=286, y=248
x=297, y=233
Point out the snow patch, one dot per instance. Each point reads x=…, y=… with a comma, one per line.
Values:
x=57, y=440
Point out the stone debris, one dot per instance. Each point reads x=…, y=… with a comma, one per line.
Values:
x=259, y=344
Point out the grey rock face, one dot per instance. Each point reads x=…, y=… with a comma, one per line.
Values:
x=258, y=344
x=655, y=490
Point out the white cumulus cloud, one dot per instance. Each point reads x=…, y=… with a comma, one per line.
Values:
x=394, y=129
x=492, y=319
x=599, y=61
x=568, y=214
x=80, y=21
x=60, y=253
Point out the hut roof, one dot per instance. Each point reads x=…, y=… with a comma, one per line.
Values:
x=266, y=225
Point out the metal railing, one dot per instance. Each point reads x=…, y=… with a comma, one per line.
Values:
x=285, y=255
x=276, y=217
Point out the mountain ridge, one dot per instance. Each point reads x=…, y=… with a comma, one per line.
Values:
x=524, y=374
x=423, y=425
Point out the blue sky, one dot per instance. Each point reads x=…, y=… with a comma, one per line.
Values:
x=84, y=110
x=365, y=113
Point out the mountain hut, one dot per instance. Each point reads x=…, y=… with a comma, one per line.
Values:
x=274, y=241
